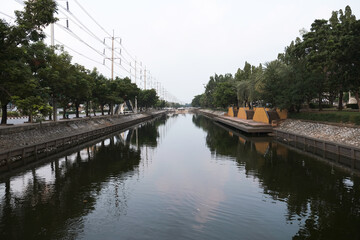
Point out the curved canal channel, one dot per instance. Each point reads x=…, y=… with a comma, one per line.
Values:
x=181, y=177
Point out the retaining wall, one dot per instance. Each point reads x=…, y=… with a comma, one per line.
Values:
x=19, y=156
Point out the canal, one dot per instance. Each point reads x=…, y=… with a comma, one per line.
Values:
x=181, y=177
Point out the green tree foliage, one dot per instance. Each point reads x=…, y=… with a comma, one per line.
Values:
x=225, y=94
x=100, y=90
x=323, y=64
x=147, y=98
x=79, y=91
x=29, y=24
x=196, y=102
x=211, y=97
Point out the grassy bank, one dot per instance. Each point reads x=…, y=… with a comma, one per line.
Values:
x=329, y=116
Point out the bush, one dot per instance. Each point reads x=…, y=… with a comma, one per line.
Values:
x=13, y=114
x=352, y=106
x=337, y=117
x=316, y=105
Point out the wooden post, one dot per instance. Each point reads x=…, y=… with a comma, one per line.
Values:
x=8, y=163
x=35, y=152
x=23, y=156
x=352, y=158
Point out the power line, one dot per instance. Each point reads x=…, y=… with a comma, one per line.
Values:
x=7, y=15
x=92, y=18
x=80, y=39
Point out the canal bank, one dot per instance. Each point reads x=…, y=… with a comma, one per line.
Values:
x=27, y=141
x=335, y=143
x=247, y=126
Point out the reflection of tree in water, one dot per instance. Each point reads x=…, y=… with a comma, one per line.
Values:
x=316, y=195
x=148, y=133
x=45, y=210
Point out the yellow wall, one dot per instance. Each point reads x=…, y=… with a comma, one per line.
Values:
x=242, y=113
x=231, y=112
x=260, y=115
x=282, y=113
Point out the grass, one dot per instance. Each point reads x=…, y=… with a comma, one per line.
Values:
x=329, y=116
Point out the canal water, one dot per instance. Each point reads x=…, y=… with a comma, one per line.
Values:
x=181, y=177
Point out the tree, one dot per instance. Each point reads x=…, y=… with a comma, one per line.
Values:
x=147, y=98
x=100, y=90
x=196, y=102
x=315, y=49
x=225, y=94
x=340, y=24
x=30, y=22
x=353, y=59
x=127, y=90
x=54, y=73
x=79, y=91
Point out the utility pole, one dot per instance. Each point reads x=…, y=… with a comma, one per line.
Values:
x=112, y=53
x=111, y=110
x=112, y=57
x=145, y=78
x=52, y=34
x=53, y=99
x=135, y=71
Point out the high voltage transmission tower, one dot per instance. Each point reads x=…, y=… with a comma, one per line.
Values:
x=112, y=53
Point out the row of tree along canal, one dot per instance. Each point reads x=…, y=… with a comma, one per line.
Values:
x=323, y=65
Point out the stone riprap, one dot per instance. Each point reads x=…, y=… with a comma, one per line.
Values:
x=346, y=135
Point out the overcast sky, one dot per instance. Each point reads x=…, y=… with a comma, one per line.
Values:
x=184, y=42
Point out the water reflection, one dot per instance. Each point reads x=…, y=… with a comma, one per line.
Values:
x=323, y=201
x=181, y=177
x=50, y=201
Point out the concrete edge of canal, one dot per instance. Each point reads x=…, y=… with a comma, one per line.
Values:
x=27, y=143
x=343, y=155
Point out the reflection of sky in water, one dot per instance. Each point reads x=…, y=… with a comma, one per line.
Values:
x=348, y=183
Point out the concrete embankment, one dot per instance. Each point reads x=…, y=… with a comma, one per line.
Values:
x=338, y=143
x=244, y=125
x=342, y=134
x=28, y=140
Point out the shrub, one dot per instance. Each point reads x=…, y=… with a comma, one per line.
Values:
x=13, y=114
x=337, y=117
x=352, y=106
x=316, y=106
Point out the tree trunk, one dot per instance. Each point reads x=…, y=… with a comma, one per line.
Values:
x=54, y=109
x=110, y=107
x=320, y=101
x=102, y=109
x=357, y=99
x=87, y=108
x=341, y=96
x=4, y=113
x=30, y=117
x=64, y=112
x=77, y=109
